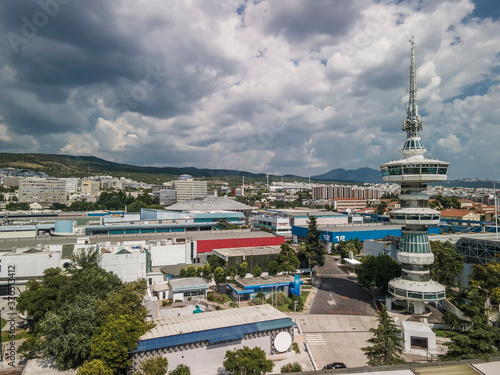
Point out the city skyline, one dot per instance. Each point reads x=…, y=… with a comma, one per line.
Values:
x=300, y=88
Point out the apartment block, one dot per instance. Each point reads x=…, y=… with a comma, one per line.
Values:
x=42, y=190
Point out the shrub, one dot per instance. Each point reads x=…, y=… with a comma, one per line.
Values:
x=166, y=302
x=233, y=305
x=300, y=303
x=282, y=298
x=295, y=348
x=291, y=367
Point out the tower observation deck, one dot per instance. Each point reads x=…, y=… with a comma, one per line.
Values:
x=413, y=172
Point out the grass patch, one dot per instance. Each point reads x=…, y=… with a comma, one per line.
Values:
x=219, y=298
x=233, y=305
x=295, y=348
x=3, y=323
x=18, y=336
x=307, y=287
x=303, y=296
x=444, y=333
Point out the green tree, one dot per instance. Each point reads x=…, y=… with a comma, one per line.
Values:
x=219, y=275
x=84, y=259
x=95, y=282
x=44, y=295
x=273, y=268
x=199, y=271
x=377, y=271
x=344, y=247
x=94, y=367
x=481, y=340
x=487, y=277
x=313, y=249
x=136, y=206
x=288, y=259
x=207, y=272
x=256, y=271
x=381, y=207
x=125, y=301
x=190, y=271
x=448, y=263
x=57, y=206
x=153, y=366
x=181, y=370
x=66, y=334
x=115, y=339
x=243, y=269
x=182, y=273
x=291, y=367
x=386, y=346
x=247, y=361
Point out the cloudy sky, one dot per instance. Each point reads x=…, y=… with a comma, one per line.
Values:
x=290, y=86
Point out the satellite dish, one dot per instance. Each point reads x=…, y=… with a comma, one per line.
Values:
x=282, y=342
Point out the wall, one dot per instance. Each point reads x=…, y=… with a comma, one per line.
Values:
x=169, y=255
x=28, y=265
x=204, y=246
x=128, y=267
x=211, y=356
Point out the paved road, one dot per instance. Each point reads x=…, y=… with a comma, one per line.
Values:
x=338, y=294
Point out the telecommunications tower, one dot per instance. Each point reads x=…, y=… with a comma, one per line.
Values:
x=413, y=172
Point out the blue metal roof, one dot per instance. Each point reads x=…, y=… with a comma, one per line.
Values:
x=213, y=335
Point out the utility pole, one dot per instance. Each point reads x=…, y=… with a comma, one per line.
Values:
x=496, y=209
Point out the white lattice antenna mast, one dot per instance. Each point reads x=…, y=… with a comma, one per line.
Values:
x=413, y=123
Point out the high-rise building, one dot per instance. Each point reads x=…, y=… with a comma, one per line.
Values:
x=186, y=188
x=413, y=172
x=90, y=187
x=42, y=190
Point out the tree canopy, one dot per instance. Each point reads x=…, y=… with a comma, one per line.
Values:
x=487, y=277
x=288, y=259
x=84, y=314
x=313, y=249
x=448, y=263
x=377, y=271
x=386, y=346
x=247, y=361
x=481, y=340
x=153, y=366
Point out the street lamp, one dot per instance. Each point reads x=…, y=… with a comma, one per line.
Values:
x=331, y=283
x=1, y=343
x=305, y=336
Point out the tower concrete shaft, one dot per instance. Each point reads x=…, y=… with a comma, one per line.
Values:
x=413, y=172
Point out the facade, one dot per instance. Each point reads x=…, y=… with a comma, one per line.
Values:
x=254, y=256
x=460, y=214
x=71, y=185
x=42, y=190
x=280, y=226
x=413, y=173
x=344, y=204
x=186, y=188
x=329, y=192
x=248, y=288
x=207, y=336
x=90, y=187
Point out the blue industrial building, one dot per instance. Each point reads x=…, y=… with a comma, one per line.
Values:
x=160, y=221
x=363, y=233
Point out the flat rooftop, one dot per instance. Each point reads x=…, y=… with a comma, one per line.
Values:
x=186, y=283
x=455, y=237
x=251, y=281
x=247, y=251
x=182, y=324
x=356, y=227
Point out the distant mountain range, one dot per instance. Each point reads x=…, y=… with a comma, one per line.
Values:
x=82, y=166
x=356, y=175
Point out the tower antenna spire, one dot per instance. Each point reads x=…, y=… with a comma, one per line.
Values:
x=413, y=123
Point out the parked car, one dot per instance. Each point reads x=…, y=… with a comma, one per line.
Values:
x=334, y=365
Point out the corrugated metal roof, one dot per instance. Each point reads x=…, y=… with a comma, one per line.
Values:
x=213, y=334
x=212, y=320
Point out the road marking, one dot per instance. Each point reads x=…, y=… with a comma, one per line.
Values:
x=315, y=339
